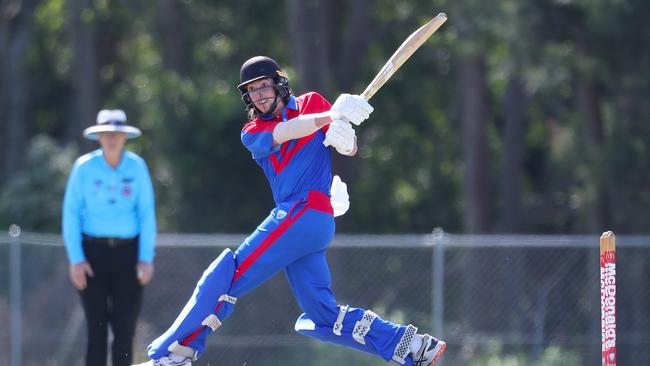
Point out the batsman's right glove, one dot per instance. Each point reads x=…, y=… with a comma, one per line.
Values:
x=341, y=136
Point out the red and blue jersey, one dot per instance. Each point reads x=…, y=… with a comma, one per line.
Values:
x=296, y=166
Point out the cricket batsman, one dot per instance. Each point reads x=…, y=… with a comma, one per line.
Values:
x=291, y=139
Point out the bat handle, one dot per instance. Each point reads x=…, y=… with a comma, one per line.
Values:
x=367, y=94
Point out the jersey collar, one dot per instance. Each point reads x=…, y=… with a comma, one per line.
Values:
x=293, y=104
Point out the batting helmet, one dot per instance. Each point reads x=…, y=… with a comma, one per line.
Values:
x=260, y=67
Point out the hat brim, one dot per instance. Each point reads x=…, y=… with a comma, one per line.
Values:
x=131, y=132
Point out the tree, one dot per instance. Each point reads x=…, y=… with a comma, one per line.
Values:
x=171, y=19
x=86, y=69
x=17, y=21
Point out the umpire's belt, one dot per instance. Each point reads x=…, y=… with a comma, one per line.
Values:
x=111, y=242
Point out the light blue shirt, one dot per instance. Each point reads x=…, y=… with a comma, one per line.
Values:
x=103, y=201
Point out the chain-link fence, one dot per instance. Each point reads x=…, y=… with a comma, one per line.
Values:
x=515, y=300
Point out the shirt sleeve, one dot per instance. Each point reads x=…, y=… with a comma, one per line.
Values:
x=73, y=203
x=146, y=215
x=316, y=103
x=258, y=138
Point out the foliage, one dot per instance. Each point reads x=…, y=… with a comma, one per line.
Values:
x=32, y=198
x=409, y=174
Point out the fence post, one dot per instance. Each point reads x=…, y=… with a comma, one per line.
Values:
x=15, y=294
x=438, y=280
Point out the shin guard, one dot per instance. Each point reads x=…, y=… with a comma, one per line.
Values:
x=203, y=313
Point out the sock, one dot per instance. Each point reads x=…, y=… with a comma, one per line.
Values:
x=416, y=343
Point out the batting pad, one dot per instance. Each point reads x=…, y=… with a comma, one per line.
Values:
x=209, y=305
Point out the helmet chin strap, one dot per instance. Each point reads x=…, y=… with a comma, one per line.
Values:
x=268, y=115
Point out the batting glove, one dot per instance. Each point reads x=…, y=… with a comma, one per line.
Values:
x=352, y=108
x=341, y=136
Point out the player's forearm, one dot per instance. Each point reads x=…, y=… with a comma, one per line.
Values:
x=301, y=126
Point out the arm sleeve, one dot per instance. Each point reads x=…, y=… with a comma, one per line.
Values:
x=295, y=128
x=146, y=216
x=258, y=138
x=71, y=223
x=316, y=103
x=314, y=116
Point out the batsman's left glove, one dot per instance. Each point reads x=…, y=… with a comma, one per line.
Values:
x=352, y=108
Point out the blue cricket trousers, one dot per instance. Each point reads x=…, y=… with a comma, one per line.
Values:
x=294, y=237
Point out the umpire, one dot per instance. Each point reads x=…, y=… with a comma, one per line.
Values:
x=109, y=229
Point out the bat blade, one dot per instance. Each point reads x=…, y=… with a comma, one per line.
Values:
x=405, y=50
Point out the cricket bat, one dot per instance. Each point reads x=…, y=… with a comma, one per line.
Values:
x=405, y=50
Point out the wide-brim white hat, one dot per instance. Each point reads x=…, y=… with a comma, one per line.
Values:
x=111, y=120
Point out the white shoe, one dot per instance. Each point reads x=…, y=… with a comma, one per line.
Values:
x=430, y=351
x=167, y=361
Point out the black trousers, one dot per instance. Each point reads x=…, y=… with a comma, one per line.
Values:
x=113, y=297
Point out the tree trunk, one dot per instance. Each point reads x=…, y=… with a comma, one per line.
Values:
x=17, y=85
x=513, y=274
x=85, y=74
x=475, y=154
x=592, y=123
x=309, y=21
x=4, y=87
x=348, y=60
x=313, y=29
x=480, y=269
x=512, y=158
x=172, y=34
x=353, y=46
